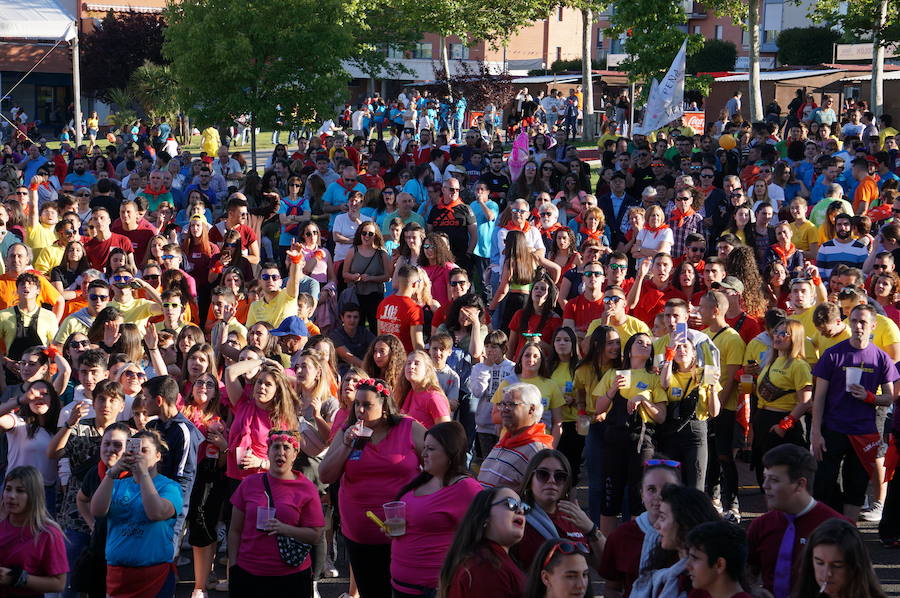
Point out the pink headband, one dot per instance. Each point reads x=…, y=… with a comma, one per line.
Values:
x=284, y=438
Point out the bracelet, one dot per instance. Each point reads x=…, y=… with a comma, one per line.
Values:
x=870, y=398
x=296, y=259
x=787, y=422
x=594, y=532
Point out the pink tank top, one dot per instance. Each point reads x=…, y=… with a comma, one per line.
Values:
x=249, y=431
x=374, y=476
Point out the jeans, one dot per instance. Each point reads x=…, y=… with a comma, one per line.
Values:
x=76, y=542
x=276, y=136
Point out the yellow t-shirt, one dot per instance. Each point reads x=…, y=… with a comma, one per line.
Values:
x=49, y=257
x=794, y=375
x=731, y=352
x=682, y=383
x=806, y=318
x=586, y=378
x=70, y=326
x=38, y=237
x=631, y=327
x=566, y=384
x=823, y=343
x=886, y=332
x=273, y=312
x=47, y=325
x=551, y=396
x=138, y=311
x=642, y=383
x=758, y=351
x=805, y=234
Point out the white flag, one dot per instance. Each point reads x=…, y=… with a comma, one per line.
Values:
x=666, y=100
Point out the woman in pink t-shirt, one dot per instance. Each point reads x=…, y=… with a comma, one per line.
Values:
x=374, y=456
x=436, y=501
x=419, y=394
x=256, y=564
x=262, y=398
x=32, y=547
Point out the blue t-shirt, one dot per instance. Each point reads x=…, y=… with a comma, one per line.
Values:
x=31, y=169
x=133, y=540
x=485, y=227
x=336, y=195
x=843, y=413
x=81, y=180
x=805, y=172
x=287, y=207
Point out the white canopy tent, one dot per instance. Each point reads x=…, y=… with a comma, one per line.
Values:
x=47, y=20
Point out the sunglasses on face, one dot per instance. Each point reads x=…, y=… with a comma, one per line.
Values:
x=519, y=211
x=613, y=299
x=593, y=273
x=295, y=185
x=662, y=463
x=880, y=267
x=268, y=277
x=545, y=475
x=94, y=297
x=171, y=305
x=134, y=374
x=168, y=256
x=427, y=246
x=516, y=506
x=459, y=283
x=618, y=266
x=80, y=344
x=311, y=233
x=151, y=276
x=367, y=233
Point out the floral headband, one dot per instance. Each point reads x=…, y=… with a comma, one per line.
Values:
x=288, y=438
x=378, y=386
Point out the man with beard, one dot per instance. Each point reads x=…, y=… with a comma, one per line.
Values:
x=80, y=177
x=843, y=249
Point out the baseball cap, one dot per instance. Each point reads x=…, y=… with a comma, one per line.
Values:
x=729, y=282
x=291, y=326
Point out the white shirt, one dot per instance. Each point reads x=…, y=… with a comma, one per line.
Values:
x=347, y=227
x=231, y=166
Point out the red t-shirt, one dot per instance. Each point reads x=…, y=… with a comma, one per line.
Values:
x=396, y=315
x=98, y=251
x=750, y=327
x=552, y=324
x=652, y=301
x=217, y=234
x=479, y=575
x=765, y=533
x=583, y=312
x=139, y=237
x=621, y=558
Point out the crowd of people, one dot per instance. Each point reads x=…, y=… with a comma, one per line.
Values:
x=412, y=349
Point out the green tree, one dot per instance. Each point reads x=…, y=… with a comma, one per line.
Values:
x=154, y=86
x=807, y=45
x=715, y=55
x=275, y=60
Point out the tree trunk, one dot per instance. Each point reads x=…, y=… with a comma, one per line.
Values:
x=755, y=93
x=445, y=60
x=876, y=99
x=587, y=125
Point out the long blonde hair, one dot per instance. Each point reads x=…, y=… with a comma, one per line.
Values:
x=429, y=382
x=322, y=386
x=37, y=518
x=797, y=334
x=283, y=412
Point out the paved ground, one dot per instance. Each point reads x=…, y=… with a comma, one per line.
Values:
x=887, y=562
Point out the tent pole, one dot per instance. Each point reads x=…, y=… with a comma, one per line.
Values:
x=76, y=85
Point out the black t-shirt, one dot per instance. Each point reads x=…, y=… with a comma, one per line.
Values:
x=107, y=201
x=453, y=222
x=357, y=345
x=642, y=178
x=497, y=184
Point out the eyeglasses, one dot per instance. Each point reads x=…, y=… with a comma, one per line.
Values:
x=880, y=267
x=168, y=256
x=427, y=246
x=618, y=266
x=545, y=475
x=151, y=276
x=94, y=297
x=205, y=383
x=662, y=462
x=565, y=548
x=295, y=185
x=134, y=374
x=80, y=344
x=516, y=506
x=592, y=273
x=268, y=277
x=171, y=305
x=508, y=405
x=458, y=283
x=612, y=299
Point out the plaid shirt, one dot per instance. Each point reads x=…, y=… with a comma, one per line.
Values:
x=690, y=224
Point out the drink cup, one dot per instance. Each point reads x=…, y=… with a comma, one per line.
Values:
x=263, y=515
x=625, y=374
x=854, y=375
x=746, y=384
x=583, y=424
x=395, y=517
x=239, y=453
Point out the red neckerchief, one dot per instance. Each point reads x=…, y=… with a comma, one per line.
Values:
x=655, y=229
x=591, y=234
x=548, y=232
x=450, y=205
x=340, y=182
x=150, y=191
x=534, y=433
x=101, y=471
x=511, y=225
x=680, y=216
x=784, y=254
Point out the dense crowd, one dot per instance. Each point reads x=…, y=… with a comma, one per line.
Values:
x=406, y=346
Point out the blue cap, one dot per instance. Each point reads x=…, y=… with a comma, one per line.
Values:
x=290, y=326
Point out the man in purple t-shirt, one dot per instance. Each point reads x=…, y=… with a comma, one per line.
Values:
x=843, y=421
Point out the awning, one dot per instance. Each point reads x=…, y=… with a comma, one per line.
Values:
x=36, y=19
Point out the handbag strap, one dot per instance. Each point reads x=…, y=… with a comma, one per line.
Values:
x=268, y=490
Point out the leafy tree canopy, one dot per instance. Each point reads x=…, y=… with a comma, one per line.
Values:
x=715, y=55
x=807, y=45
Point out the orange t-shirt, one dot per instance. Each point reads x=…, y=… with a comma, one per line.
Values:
x=866, y=193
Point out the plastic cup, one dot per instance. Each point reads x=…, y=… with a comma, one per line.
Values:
x=395, y=517
x=583, y=424
x=854, y=375
x=239, y=453
x=263, y=516
x=625, y=374
x=746, y=384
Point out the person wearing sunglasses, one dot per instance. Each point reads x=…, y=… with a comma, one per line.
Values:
x=277, y=303
x=478, y=562
x=98, y=296
x=547, y=489
x=614, y=315
x=137, y=310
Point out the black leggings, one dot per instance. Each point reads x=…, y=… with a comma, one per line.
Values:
x=764, y=439
x=296, y=585
x=688, y=446
x=623, y=466
x=368, y=305
x=571, y=444
x=724, y=424
x=371, y=565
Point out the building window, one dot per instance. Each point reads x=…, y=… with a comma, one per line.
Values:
x=560, y=15
x=395, y=53
x=559, y=52
x=745, y=37
x=459, y=51
x=599, y=40
x=422, y=50
x=770, y=37
x=720, y=31
x=697, y=29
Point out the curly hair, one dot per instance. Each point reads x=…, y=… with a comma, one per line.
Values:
x=393, y=371
x=442, y=253
x=742, y=265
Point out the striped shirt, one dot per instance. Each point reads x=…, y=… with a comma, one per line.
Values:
x=834, y=252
